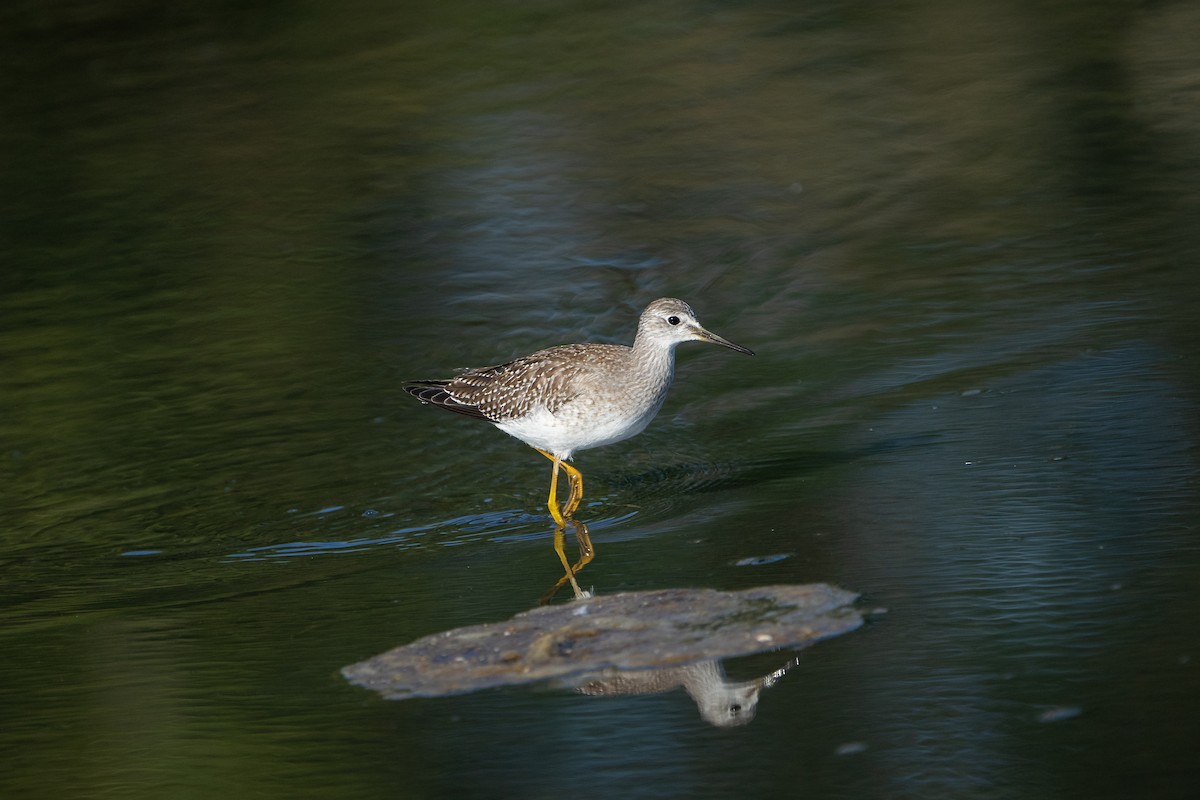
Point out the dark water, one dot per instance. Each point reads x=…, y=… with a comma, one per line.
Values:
x=961, y=237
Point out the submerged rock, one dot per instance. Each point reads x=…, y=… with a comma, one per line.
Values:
x=634, y=631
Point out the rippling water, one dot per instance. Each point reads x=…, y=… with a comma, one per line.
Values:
x=960, y=237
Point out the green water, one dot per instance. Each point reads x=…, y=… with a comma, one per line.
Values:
x=960, y=237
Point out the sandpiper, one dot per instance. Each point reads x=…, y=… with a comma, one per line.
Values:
x=575, y=396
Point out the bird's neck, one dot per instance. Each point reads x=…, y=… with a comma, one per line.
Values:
x=652, y=359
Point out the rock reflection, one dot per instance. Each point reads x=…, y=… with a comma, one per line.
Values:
x=625, y=643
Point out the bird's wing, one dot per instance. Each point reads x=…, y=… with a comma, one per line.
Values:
x=547, y=379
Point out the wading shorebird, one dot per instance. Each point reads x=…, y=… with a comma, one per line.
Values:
x=575, y=396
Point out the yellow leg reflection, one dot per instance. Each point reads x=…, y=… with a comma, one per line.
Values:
x=586, y=553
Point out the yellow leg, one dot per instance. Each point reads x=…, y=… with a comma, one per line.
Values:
x=552, y=501
x=576, y=495
x=576, y=489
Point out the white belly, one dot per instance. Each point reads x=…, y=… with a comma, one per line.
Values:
x=575, y=427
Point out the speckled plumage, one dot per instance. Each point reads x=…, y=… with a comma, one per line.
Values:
x=548, y=378
x=576, y=396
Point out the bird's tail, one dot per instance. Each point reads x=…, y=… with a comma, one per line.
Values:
x=436, y=393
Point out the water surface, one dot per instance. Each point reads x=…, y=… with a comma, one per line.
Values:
x=960, y=237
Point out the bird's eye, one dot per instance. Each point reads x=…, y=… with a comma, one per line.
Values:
x=673, y=320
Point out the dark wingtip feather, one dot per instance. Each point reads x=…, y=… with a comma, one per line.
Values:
x=426, y=391
x=435, y=393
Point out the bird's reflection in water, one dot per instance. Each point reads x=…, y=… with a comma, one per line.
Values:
x=586, y=553
x=722, y=702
